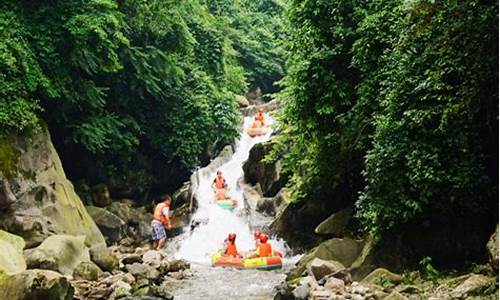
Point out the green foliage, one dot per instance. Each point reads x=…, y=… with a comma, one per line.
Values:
x=139, y=91
x=393, y=104
x=429, y=270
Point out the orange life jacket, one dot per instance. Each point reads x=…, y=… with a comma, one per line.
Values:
x=256, y=124
x=158, y=215
x=219, y=182
x=265, y=250
x=231, y=249
x=260, y=117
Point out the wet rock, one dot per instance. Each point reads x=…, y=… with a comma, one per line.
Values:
x=104, y=258
x=91, y=290
x=143, y=271
x=87, y=271
x=100, y=195
x=11, y=253
x=320, y=295
x=179, y=275
x=61, y=253
x=336, y=223
x=492, y=248
x=110, y=225
x=252, y=195
x=267, y=174
x=35, y=285
x=319, y=268
x=152, y=258
x=395, y=296
x=382, y=276
x=147, y=297
x=177, y=265
x=126, y=249
x=301, y=292
x=474, y=285
x=131, y=258
x=45, y=200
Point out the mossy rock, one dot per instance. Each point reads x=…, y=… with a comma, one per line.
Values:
x=35, y=285
x=9, y=157
x=11, y=253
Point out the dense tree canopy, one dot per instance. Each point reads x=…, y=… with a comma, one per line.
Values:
x=138, y=91
x=395, y=104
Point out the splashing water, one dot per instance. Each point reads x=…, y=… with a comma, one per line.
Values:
x=198, y=246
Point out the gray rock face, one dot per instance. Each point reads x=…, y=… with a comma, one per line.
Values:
x=36, y=285
x=136, y=219
x=267, y=174
x=301, y=292
x=11, y=253
x=131, y=258
x=40, y=198
x=111, y=226
x=61, y=253
x=100, y=195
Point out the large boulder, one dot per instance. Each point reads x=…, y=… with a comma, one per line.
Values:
x=104, y=258
x=137, y=219
x=492, y=248
x=336, y=224
x=473, y=286
x=35, y=285
x=110, y=225
x=61, y=253
x=11, y=253
x=344, y=251
x=37, y=198
x=319, y=268
x=267, y=174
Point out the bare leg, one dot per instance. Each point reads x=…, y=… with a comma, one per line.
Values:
x=161, y=243
x=155, y=244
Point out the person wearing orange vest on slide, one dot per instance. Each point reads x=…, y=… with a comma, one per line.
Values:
x=160, y=219
x=219, y=181
x=260, y=116
x=230, y=249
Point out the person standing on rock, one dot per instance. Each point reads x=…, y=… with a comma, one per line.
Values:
x=160, y=220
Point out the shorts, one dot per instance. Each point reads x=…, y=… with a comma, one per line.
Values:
x=158, y=231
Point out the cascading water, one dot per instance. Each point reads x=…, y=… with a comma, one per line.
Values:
x=197, y=247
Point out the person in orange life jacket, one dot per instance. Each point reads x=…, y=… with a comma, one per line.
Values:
x=160, y=220
x=263, y=249
x=219, y=181
x=230, y=248
x=260, y=116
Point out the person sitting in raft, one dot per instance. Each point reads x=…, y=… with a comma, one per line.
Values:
x=260, y=117
x=264, y=249
x=160, y=219
x=230, y=249
x=256, y=124
x=219, y=181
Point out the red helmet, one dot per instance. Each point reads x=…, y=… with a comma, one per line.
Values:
x=263, y=238
x=256, y=234
x=231, y=237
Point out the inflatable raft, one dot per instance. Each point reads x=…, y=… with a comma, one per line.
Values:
x=261, y=263
x=227, y=204
x=258, y=131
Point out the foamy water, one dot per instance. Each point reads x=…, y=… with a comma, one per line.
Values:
x=198, y=246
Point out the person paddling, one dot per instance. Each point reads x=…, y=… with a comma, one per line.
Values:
x=160, y=220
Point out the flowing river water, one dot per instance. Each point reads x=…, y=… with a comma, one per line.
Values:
x=197, y=246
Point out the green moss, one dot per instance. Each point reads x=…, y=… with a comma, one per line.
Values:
x=9, y=157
